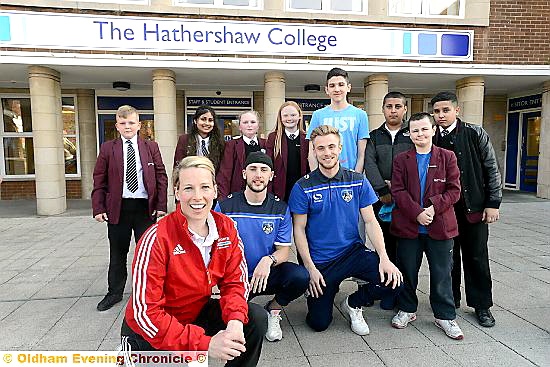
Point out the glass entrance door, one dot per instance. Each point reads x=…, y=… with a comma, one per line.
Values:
x=530, y=151
x=107, y=130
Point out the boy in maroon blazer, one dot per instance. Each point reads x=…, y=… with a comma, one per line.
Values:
x=425, y=185
x=130, y=188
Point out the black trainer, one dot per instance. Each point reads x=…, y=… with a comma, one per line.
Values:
x=484, y=317
x=108, y=301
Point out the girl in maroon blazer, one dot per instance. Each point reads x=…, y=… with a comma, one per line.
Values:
x=205, y=138
x=288, y=148
x=425, y=185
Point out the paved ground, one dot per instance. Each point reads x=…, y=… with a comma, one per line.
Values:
x=53, y=273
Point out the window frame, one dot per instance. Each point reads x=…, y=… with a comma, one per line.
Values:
x=219, y=4
x=461, y=11
x=119, y=2
x=30, y=134
x=325, y=4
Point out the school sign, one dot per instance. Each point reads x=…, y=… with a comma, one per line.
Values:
x=92, y=32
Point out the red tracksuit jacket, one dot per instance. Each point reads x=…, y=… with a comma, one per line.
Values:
x=169, y=288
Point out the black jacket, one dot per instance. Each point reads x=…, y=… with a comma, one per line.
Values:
x=380, y=154
x=479, y=174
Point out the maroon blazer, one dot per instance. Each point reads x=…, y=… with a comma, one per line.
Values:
x=230, y=174
x=181, y=149
x=109, y=175
x=278, y=186
x=442, y=191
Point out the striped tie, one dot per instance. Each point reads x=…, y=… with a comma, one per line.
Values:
x=131, y=171
x=204, y=149
x=445, y=132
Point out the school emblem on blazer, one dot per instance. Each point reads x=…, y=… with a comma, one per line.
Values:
x=347, y=195
x=268, y=227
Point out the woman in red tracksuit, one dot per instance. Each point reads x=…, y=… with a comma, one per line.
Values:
x=176, y=264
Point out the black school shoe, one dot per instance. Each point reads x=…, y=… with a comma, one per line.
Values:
x=484, y=317
x=108, y=301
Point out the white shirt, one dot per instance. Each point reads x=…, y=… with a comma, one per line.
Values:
x=140, y=193
x=248, y=140
x=296, y=133
x=393, y=133
x=204, y=244
x=449, y=129
x=199, y=144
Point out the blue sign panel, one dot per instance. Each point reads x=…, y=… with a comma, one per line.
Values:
x=5, y=32
x=525, y=103
x=113, y=103
x=219, y=102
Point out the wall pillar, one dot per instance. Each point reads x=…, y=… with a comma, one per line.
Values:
x=164, y=104
x=274, y=97
x=49, y=159
x=470, y=92
x=376, y=87
x=543, y=177
x=181, y=119
x=87, y=139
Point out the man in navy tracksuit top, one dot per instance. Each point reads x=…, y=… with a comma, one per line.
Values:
x=265, y=227
x=326, y=205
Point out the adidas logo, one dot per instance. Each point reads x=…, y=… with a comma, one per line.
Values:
x=178, y=250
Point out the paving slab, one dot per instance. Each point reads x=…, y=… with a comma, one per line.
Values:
x=51, y=282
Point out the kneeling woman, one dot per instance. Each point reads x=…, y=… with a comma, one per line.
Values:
x=176, y=264
x=425, y=185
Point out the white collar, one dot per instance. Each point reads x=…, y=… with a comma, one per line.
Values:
x=449, y=129
x=200, y=139
x=248, y=140
x=210, y=237
x=133, y=140
x=295, y=134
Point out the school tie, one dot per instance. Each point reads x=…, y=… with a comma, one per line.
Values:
x=131, y=171
x=445, y=132
x=292, y=136
x=252, y=143
x=204, y=149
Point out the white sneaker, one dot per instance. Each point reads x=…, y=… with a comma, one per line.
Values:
x=451, y=328
x=274, y=331
x=402, y=319
x=358, y=324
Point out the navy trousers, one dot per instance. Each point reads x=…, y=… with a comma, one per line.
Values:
x=358, y=262
x=440, y=261
x=472, y=243
x=134, y=217
x=287, y=282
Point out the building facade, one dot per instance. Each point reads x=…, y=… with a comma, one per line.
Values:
x=66, y=66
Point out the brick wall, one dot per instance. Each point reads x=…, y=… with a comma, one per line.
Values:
x=517, y=33
x=27, y=190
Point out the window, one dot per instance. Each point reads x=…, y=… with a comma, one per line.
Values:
x=70, y=136
x=427, y=8
x=133, y=2
x=17, y=136
x=356, y=6
x=220, y=3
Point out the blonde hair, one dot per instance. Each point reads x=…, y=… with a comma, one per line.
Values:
x=126, y=110
x=280, y=128
x=190, y=162
x=255, y=113
x=324, y=130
